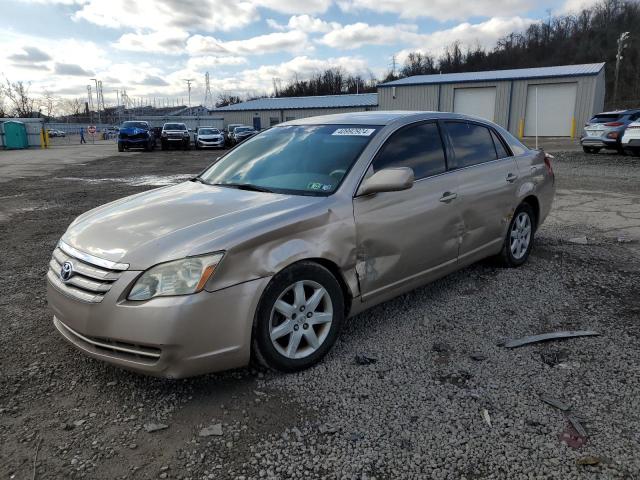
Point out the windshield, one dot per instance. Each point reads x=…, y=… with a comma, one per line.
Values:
x=175, y=126
x=208, y=131
x=300, y=159
x=144, y=125
x=244, y=129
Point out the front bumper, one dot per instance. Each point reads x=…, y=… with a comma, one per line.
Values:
x=210, y=143
x=133, y=142
x=170, y=337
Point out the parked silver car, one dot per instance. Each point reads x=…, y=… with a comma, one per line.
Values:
x=208, y=137
x=605, y=130
x=266, y=252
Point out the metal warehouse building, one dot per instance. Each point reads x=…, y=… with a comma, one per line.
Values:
x=266, y=112
x=562, y=97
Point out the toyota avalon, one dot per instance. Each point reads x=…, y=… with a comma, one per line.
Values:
x=266, y=253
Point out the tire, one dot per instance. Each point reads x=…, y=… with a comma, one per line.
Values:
x=186, y=146
x=513, y=255
x=294, y=349
x=590, y=149
x=163, y=146
x=120, y=147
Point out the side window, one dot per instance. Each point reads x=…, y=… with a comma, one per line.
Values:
x=472, y=144
x=502, y=151
x=418, y=147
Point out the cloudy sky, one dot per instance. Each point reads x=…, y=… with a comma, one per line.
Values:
x=149, y=46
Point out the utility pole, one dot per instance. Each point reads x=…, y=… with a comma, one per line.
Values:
x=97, y=98
x=188, y=80
x=208, y=97
x=90, y=103
x=624, y=36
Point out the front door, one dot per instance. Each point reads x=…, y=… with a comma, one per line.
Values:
x=256, y=124
x=410, y=236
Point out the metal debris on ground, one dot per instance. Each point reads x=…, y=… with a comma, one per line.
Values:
x=579, y=240
x=362, y=359
x=572, y=438
x=589, y=460
x=518, y=342
x=212, y=430
x=486, y=417
x=575, y=423
x=554, y=402
x=154, y=427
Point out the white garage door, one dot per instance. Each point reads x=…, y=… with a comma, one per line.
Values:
x=556, y=106
x=480, y=102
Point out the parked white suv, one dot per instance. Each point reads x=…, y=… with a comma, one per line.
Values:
x=631, y=139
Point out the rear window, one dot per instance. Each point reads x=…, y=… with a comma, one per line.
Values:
x=606, y=117
x=472, y=143
x=175, y=126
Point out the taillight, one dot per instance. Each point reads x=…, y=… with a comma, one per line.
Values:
x=614, y=124
x=547, y=163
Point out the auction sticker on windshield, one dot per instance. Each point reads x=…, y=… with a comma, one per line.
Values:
x=357, y=132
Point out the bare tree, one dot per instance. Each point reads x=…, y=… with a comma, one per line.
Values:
x=48, y=103
x=22, y=104
x=3, y=106
x=71, y=106
x=226, y=99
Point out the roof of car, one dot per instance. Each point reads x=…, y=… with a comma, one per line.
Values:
x=376, y=118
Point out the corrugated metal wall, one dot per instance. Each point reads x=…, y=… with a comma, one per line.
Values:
x=511, y=98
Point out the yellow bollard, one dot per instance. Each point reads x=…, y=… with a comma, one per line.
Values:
x=42, y=138
x=573, y=128
x=521, y=128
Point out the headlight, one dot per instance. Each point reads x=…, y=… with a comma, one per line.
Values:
x=180, y=277
x=186, y=134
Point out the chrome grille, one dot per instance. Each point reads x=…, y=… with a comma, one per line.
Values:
x=92, y=277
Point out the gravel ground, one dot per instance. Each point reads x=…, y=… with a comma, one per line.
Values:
x=440, y=399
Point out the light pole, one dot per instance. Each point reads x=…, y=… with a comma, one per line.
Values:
x=624, y=36
x=98, y=98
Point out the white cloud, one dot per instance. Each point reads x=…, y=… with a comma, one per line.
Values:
x=211, y=15
x=573, y=6
x=168, y=41
x=292, y=41
x=310, y=24
x=296, y=6
x=438, y=9
x=484, y=34
x=210, y=62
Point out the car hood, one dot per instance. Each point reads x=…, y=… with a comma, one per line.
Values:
x=178, y=221
x=133, y=130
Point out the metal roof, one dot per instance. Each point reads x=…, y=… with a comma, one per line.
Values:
x=493, y=75
x=293, y=103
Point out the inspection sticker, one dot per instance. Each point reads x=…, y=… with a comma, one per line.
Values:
x=358, y=132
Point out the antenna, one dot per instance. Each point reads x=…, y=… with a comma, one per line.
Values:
x=208, y=97
x=188, y=80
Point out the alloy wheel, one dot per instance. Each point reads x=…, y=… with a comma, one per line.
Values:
x=520, y=235
x=301, y=319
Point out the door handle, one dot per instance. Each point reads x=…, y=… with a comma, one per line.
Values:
x=448, y=196
x=512, y=177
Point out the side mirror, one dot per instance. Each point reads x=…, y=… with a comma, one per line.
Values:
x=388, y=180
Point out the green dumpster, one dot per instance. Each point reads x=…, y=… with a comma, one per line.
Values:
x=15, y=134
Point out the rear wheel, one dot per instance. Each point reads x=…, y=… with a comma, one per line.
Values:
x=590, y=149
x=299, y=318
x=519, y=240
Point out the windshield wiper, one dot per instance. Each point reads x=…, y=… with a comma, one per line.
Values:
x=244, y=186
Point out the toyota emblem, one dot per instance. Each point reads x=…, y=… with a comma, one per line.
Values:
x=66, y=272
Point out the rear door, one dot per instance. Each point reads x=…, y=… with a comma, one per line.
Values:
x=488, y=178
x=408, y=236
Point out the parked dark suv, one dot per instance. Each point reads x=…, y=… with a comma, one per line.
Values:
x=605, y=130
x=175, y=134
x=135, y=134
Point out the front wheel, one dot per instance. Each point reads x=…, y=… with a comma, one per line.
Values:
x=590, y=149
x=519, y=240
x=298, y=318
x=120, y=147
